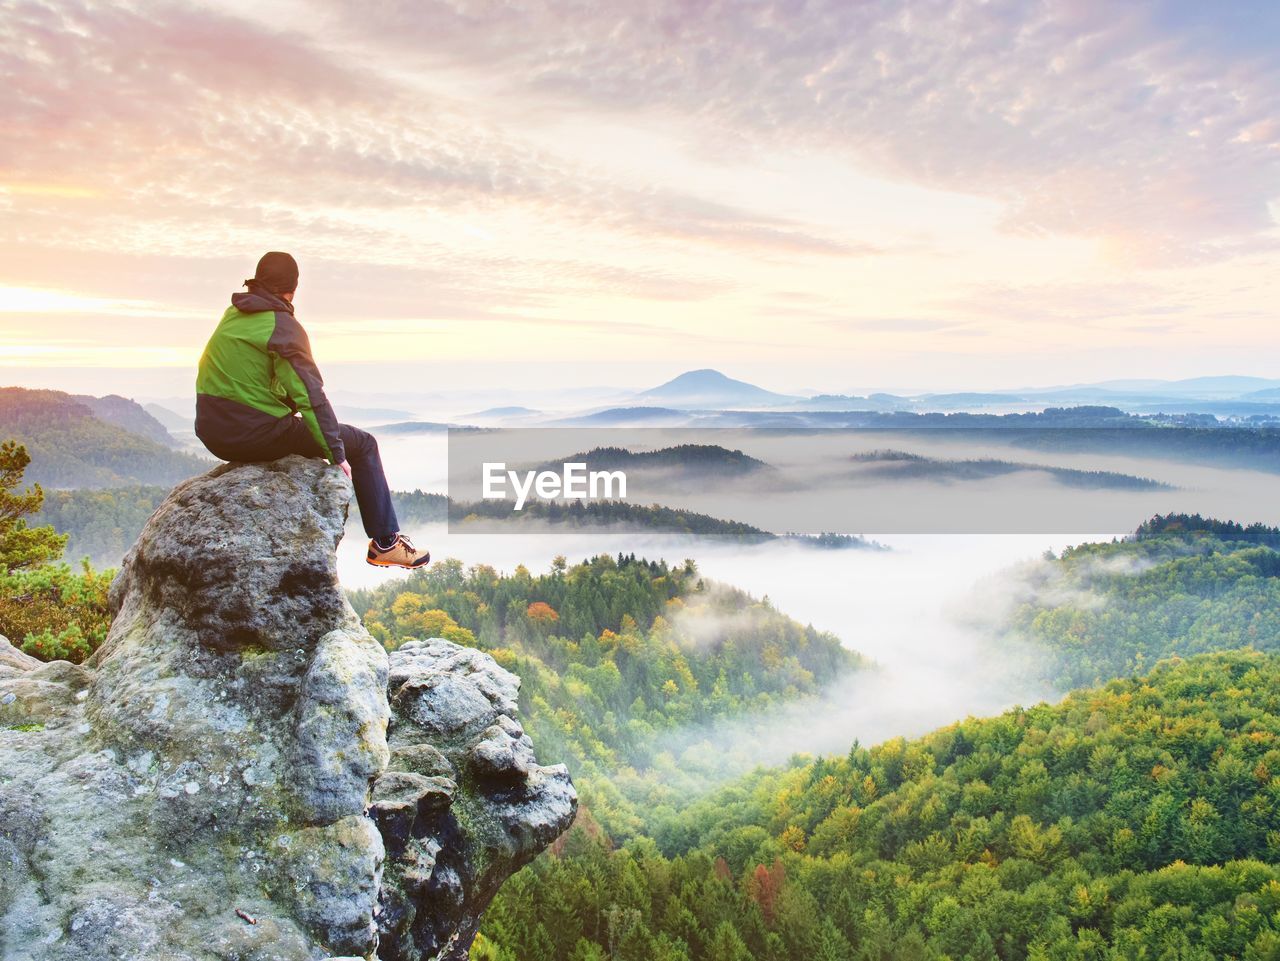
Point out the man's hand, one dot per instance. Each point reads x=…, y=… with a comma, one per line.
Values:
x=346, y=468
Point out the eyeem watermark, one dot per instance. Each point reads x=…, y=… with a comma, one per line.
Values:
x=573, y=482
x=992, y=476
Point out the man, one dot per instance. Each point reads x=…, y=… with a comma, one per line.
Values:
x=259, y=396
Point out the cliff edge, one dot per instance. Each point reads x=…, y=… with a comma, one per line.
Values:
x=242, y=773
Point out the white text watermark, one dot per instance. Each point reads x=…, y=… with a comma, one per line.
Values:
x=572, y=482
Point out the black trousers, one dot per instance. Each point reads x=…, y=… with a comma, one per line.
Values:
x=292, y=437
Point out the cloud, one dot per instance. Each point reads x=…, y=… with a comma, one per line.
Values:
x=191, y=121
x=1083, y=118
x=917, y=325
x=1076, y=303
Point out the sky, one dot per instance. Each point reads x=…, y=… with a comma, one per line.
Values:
x=810, y=194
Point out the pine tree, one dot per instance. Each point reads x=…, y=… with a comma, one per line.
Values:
x=586, y=950
x=539, y=946
x=726, y=945
x=22, y=546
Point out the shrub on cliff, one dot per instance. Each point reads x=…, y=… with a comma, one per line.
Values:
x=54, y=613
x=51, y=611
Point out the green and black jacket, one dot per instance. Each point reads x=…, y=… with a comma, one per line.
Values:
x=255, y=373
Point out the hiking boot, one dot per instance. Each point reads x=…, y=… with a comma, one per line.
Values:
x=400, y=554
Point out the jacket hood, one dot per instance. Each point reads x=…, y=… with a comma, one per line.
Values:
x=257, y=300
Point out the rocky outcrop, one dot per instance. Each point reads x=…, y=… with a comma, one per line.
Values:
x=241, y=772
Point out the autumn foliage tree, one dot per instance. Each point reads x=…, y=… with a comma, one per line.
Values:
x=765, y=885
x=540, y=612
x=413, y=616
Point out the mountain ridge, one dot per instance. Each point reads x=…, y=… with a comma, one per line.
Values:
x=71, y=446
x=708, y=387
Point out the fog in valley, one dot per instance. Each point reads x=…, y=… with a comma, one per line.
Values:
x=912, y=610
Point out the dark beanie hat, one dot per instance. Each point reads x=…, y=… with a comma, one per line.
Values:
x=277, y=272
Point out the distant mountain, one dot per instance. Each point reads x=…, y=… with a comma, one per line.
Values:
x=793, y=418
x=503, y=416
x=412, y=427
x=1230, y=409
x=897, y=465
x=1225, y=387
x=627, y=417
x=854, y=402
x=171, y=419
x=1226, y=395
x=125, y=413
x=835, y=402
x=1229, y=385
x=687, y=458
x=963, y=399
x=70, y=446
x=711, y=389
x=502, y=412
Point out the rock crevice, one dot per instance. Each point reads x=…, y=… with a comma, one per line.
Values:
x=241, y=748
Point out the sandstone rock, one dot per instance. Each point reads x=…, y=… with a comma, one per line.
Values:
x=217, y=756
x=455, y=705
x=14, y=661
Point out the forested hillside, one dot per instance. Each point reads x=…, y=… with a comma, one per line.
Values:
x=622, y=515
x=657, y=518
x=71, y=447
x=1180, y=584
x=101, y=524
x=127, y=414
x=1137, y=820
x=612, y=653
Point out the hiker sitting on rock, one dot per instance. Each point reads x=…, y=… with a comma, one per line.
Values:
x=259, y=396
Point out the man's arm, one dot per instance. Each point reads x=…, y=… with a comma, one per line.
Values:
x=297, y=370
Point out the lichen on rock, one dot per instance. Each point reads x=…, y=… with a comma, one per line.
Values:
x=241, y=772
